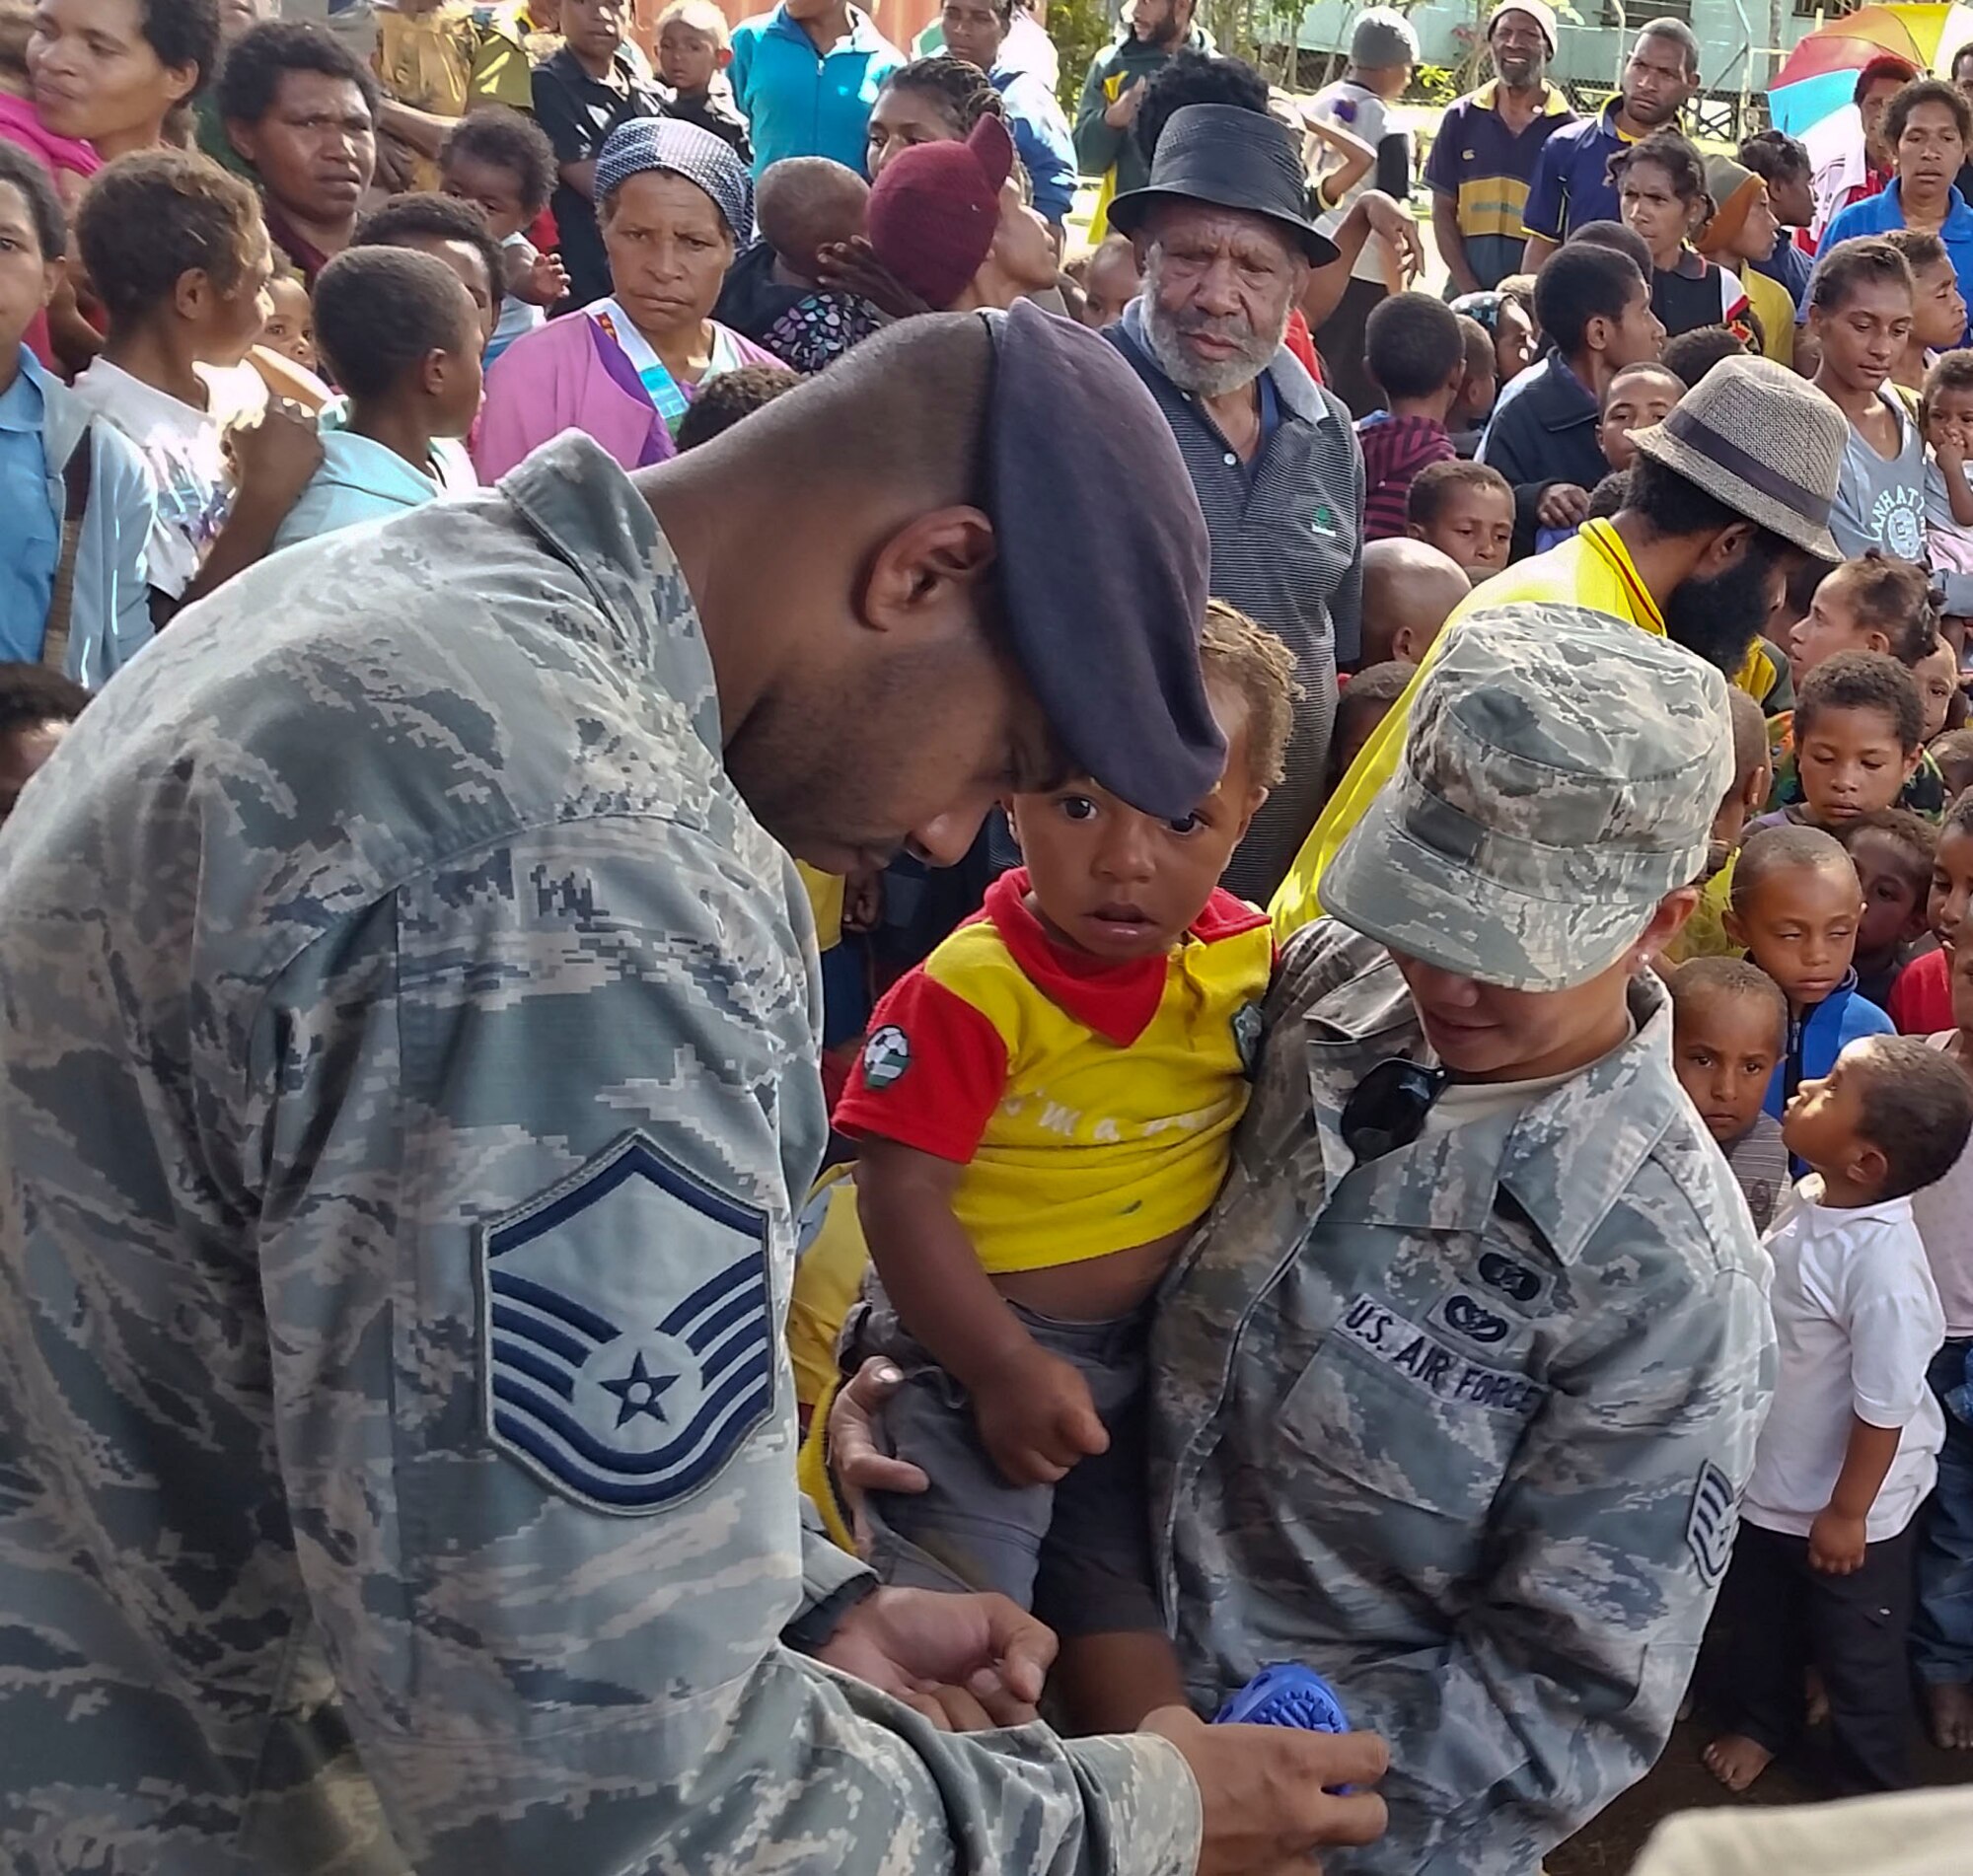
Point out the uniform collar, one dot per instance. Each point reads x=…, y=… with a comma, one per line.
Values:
x=1115, y=999
x=587, y=510
x=1602, y=1125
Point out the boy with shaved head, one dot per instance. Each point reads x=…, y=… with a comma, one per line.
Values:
x=1409, y=588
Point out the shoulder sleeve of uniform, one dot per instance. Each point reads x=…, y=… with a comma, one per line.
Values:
x=1606, y=1544
x=525, y=1157
x=1316, y=959
x=933, y=1071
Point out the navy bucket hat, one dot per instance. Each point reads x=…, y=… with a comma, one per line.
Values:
x=1229, y=158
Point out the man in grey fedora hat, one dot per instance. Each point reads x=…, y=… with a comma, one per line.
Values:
x=1224, y=240
x=1726, y=496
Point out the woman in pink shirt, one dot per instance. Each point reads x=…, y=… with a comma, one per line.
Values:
x=674, y=203
x=102, y=78
x=110, y=72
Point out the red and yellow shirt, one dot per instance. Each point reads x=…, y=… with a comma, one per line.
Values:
x=1092, y=1103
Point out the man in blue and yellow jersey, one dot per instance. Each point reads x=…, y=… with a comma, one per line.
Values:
x=1726, y=497
x=1571, y=181
x=1483, y=158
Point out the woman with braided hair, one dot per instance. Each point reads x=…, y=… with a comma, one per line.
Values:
x=936, y=100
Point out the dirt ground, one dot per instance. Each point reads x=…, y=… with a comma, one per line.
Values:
x=1679, y=1782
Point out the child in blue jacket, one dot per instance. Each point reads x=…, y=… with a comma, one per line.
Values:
x=806, y=76
x=1796, y=906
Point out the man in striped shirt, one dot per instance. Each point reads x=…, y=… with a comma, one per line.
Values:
x=1484, y=157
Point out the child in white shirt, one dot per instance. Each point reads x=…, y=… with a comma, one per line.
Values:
x=175, y=251
x=1823, y=1568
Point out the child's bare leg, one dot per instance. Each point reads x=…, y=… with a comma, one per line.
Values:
x=1109, y=1683
x=1950, y=1708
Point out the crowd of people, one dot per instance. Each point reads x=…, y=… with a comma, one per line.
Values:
x=838, y=947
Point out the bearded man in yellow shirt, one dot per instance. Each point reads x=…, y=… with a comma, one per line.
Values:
x=1726, y=496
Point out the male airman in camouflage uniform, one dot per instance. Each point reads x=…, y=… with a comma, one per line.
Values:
x=1462, y=1380
x=407, y=1055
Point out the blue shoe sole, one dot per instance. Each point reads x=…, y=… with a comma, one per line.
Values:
x=1285, y=1694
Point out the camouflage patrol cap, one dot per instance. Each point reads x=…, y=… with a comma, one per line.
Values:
x=1560, y=776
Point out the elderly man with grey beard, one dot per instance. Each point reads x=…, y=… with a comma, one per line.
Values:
x=1224, y=240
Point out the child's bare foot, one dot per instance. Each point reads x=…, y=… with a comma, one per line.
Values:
x=1818, y=1698
x=1952, y=1716
x=1737, y=1761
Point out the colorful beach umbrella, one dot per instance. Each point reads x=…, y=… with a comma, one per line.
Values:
x=1820, y=77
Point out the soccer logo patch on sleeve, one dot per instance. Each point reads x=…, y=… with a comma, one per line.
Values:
x=886, y=1056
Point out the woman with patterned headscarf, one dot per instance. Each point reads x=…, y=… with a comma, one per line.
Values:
x=674, y=203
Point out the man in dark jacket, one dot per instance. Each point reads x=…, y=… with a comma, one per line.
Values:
x=1596, y=309
x=1271, y=456
x=1152, y=30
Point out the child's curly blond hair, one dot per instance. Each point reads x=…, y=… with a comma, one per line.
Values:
x=1243, y=657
